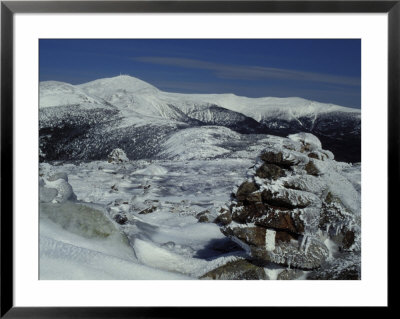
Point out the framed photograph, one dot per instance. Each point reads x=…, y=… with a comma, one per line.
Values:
x=162, y=155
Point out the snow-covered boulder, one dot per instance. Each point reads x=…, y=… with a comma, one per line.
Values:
x=117, y=156
x=64, y=189
x=56, y=189
x=295, y=200
x=308, y=141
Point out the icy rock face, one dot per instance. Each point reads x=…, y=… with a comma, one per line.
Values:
x=117, y=156
x=296, y=198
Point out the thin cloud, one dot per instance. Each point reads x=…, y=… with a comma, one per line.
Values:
x=250, y=72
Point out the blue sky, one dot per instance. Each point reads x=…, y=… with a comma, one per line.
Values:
x=321, y=70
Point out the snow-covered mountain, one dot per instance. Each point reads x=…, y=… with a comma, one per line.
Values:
x=87, y=121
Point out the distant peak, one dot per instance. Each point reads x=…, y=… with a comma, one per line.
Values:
x=119, y=82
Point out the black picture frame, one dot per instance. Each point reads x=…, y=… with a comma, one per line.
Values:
x=9, y=8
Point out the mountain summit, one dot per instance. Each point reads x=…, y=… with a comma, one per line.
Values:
x=122, y=83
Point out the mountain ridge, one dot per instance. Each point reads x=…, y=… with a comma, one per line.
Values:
x=129, y=102
x=109, y=89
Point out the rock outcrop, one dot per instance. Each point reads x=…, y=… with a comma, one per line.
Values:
x=296, y=205
x=117, y=156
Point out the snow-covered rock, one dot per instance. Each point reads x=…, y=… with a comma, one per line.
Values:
x=117, y=155
x=292, y=203
x=308, y=141
x=236, y=270
x=55, y=188
x=64, y=190
x=345, y=267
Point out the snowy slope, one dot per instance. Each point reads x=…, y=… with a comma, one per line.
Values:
x=257, y=108
x=53, y=93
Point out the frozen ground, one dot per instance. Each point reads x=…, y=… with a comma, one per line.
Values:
x=168, y=243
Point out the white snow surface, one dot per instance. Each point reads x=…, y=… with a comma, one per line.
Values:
x=53, y=93
x=168, y=243
x=198, y=143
